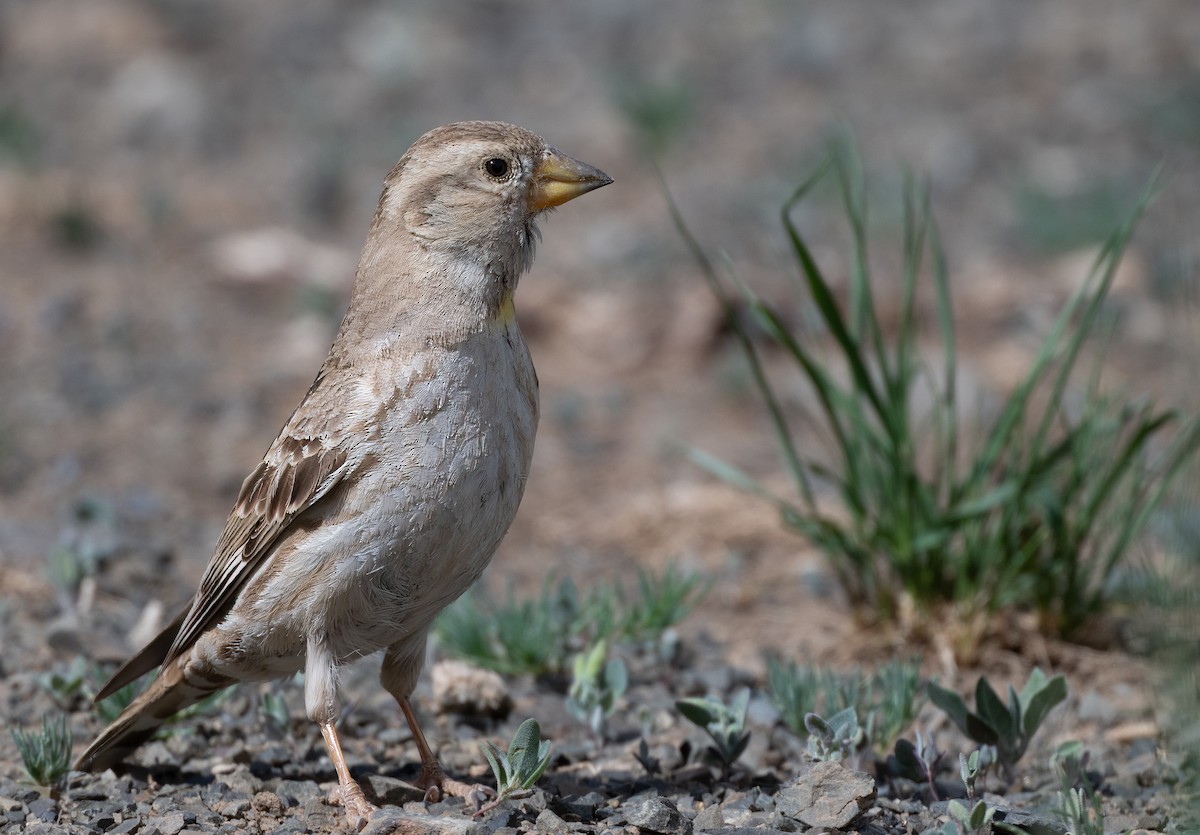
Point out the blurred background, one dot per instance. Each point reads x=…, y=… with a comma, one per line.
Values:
x=184, y=186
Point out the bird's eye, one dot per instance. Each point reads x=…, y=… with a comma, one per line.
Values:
x=496, y=167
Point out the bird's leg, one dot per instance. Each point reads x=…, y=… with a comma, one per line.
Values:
x=321, y=702
x=358, y=808
x=432, y=779
x=401, y=666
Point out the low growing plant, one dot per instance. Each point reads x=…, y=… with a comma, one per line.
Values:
x=1008, y=727
x=974, y=766
x=1077, y=803
x=1037, y=509
x=521, y=766
x=538, y=635
x=110, y=708
x=46, y=754
x=835, y=739
x=597, y=684
x=724, y=724
x=917, y=762
x=66, y=686
x=887, y=701
x=976, y=819
x=660, y=601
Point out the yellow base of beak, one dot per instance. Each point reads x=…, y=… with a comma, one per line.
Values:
x=557, y=178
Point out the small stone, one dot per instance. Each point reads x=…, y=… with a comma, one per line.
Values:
x=584, y=806
x=1120, y=822
x=44, y=809
x=710, y=817
x=828, y=795
x=170, y=824
x=551, y=823
x=242, y=780
x=388, y=791
x=656, y=814
x=234, y=806
x=9, y=804
x=298, y=792
x=462, y=688
x=387, y=821
x=126, y=826
x=268, y=803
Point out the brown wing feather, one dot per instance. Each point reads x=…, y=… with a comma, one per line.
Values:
x=295, y=474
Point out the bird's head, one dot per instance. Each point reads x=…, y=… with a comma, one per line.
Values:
x=474, y=190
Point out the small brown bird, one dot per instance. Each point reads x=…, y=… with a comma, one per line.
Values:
x=389, y=489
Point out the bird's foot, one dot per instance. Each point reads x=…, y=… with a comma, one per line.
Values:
x=437, y=785
x=358, y=808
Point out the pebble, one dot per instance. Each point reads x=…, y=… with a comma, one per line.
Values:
x=828, y=795
x=388, y=791
x=656, y=814
x=710, y=817
x=268, y=803
x=170, y=824
x=551, y=823
x=44, y=808
x=298, y=792
x=463, y=688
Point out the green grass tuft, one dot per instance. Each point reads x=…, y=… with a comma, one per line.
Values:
x=1037, y=512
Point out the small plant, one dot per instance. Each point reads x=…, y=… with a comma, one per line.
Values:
x=517, y=637
x=887, y=701
x=972, y=768
x=836, y=739
x=897, y=700
x=916, y=762
x=517, y=769
x=1080, y=811
x=725, y=725
x=1038, y=508
x=537, y=636
x=597, y=684
x=975, y=818
x=110, y=708
x=66, y=686
x=1078, y=802
x=1007, y=727
x=662, y=600
x=794, y=690
x=46, y=754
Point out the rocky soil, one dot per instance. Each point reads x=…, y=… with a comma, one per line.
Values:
x=183, y=189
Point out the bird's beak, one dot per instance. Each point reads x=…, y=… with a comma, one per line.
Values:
x=557, y=178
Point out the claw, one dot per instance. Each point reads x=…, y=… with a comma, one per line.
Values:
x=358, y=809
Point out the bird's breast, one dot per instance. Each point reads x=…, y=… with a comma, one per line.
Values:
x=454, y=444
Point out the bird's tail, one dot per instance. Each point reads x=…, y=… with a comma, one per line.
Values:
x=176, y=687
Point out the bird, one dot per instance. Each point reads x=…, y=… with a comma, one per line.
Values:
x=391, y=486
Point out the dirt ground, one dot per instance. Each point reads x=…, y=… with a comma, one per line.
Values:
x=184, y=186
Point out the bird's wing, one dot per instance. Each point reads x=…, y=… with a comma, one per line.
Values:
x=299, y=469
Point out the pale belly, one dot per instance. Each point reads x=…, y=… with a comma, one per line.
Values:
x=411, y=532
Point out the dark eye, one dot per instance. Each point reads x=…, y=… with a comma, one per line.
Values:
x=496, y=167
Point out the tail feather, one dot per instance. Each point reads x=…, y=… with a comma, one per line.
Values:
x=175, y=688
x=149, y=657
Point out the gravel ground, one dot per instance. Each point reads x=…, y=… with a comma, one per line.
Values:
x=183, y=190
